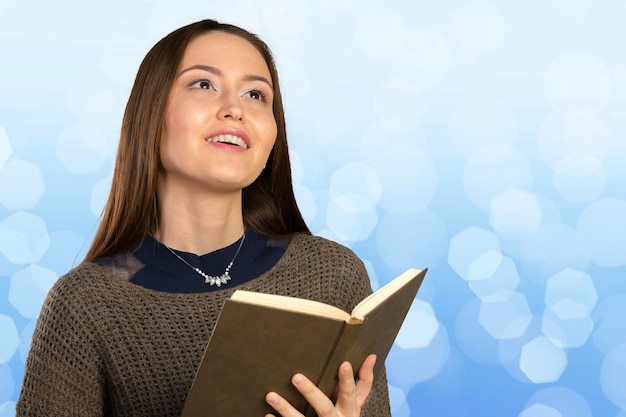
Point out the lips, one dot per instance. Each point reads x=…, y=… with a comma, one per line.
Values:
x=230, y=139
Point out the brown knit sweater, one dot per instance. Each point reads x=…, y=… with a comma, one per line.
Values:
x=106, y=347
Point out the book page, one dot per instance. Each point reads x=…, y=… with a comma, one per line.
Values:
x=283, y=302
x=368, y=304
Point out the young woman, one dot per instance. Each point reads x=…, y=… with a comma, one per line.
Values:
x=201, y=203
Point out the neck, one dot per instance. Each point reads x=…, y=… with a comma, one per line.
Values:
x=199, y=223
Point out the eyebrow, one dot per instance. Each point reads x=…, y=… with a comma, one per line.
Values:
x=219, y=72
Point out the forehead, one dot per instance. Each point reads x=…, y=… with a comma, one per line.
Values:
x=225, y=50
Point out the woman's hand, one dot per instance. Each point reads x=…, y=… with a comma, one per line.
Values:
x=351, y=396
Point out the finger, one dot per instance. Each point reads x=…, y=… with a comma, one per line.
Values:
x=322, y=405
x=346, y=399
x=282, y=406
x=365, y=381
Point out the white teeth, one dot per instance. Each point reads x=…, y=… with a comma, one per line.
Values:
x=235, y=140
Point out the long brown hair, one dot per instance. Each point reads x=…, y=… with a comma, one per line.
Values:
x=131, y=211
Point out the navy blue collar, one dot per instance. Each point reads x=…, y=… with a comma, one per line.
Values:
x=163, y=271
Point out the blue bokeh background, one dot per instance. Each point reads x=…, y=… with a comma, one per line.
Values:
x=485, y=140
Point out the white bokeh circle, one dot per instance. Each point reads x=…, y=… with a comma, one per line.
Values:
x=615, y=81
x=400, y=105
x=335, y=7
x=351, y=217
x=295, y=82
x=21, y=184
x=585, y=129
x=407, y=367
x=542, y=361
x=478, y=26
x=356, y=178
x=286, y=17
x=503, y=276
x=568, y=402
x=551, y=248
x=472, y=338
x=469, y=245
x=612, y=376
x=480, y=120
x=515, y=214
x=575, y=78
x=99, y=195
x=425, y=57
x=25, y=237
x=10, y=339
x=398, y=241
x=579, y=178
x=505, y=314
x=602, y=227
x=121, y=58
x=540, y=410
x=420, y=326
x=610, y=330
x=82, y=149
x=29, y=288
x=572, y=7
x=5, y=147
x=380, y=32
x=410, y=182
x=493, y=170
x=306, y=202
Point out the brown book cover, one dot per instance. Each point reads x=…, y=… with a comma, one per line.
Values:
x=262, y=340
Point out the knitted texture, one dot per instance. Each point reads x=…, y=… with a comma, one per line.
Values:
x=106, y=347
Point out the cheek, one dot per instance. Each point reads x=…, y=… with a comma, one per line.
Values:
x=263, y=124
x=183, y=115
x=274, y=130
x=166, y=140
x=172, y=122
x=271, y=140
x=165, y=154
x=271, y=130
x=171, y=146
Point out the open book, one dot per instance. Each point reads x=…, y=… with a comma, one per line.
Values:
x=261, y=340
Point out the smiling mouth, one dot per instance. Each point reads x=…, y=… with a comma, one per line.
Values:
x=229, y=139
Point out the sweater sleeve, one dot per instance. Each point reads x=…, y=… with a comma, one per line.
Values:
x=63, y=374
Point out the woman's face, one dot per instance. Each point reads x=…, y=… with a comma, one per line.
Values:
x=219, y=126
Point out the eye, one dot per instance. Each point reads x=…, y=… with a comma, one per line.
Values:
x=256, y=95
x=202, y=84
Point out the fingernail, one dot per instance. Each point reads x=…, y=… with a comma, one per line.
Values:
x=346, y=368
x=272, y=398
x=298, y=379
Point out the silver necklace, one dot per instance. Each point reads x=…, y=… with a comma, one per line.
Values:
x=218, y=280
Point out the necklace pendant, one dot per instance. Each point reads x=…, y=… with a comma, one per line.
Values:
x=217, y=280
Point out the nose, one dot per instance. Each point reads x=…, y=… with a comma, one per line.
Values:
x=230, y=108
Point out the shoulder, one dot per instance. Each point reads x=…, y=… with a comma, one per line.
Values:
x=340, y=275
x=80, y=286
x=70, y=309
x=75, y=278
x=323, y=248
x=81, y=278
x=330, y=256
